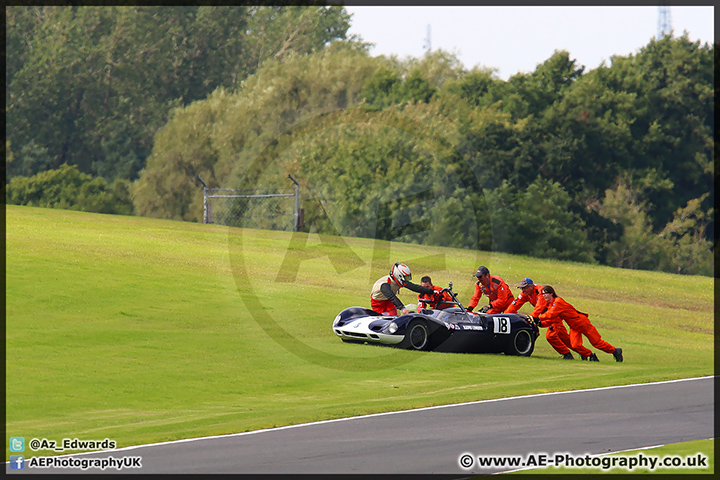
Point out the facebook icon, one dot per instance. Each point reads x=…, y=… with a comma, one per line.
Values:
x=17, y=462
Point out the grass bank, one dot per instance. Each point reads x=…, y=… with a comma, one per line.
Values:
x=143, y=330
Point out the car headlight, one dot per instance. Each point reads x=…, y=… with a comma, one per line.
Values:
x=336, y=319
x=392, y=328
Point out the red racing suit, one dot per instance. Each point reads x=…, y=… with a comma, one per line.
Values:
x=497, y=292
x=579, y=324
x=439, y=306
x=556, y=333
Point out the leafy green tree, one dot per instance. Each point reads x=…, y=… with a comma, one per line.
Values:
x=637, y=247
x=526, y=94
x=672, y=82
x=389, y=176
x=551, y=80
x=422, y=151
x=99, y=81
x=411, y=80
x=21, y=25
x=537, y=222
x=228, y=134
x=167, y=187
x=438, y=67
x=275, y=31
x=680, y=247
x=588, y=134
x=382, y=89
x=362, y=172
x=474, y=86
x=515, y=135
x=688, y=251
x=70, y=189
x=387, y=87
x=416, y=88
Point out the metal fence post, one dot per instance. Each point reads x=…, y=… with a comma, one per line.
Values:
x=207, y=213
x=297, y=202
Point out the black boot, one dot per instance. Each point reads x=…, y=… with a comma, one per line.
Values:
x=617, y=353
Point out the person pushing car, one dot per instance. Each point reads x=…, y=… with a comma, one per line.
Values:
x=579, y=324
x=556, y=334
x=495, y=288
x=383, y=297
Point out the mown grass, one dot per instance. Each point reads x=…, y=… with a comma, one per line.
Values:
x=143, y=330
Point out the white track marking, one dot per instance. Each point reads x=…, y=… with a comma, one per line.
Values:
x=322, y=422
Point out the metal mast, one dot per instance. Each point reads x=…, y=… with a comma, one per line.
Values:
x=664, y=22
x=428, y=42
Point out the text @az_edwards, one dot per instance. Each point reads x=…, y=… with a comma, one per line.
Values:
x=71, y=444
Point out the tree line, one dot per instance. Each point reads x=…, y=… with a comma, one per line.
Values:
x=611, y=166
x=90, y=86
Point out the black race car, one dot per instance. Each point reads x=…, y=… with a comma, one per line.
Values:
x=452, y=329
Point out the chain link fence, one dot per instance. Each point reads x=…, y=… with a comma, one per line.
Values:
x=261, y=209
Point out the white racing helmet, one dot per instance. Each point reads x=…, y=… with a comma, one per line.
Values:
x=400, y=273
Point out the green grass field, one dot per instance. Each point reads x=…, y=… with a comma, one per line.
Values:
x=142, y=330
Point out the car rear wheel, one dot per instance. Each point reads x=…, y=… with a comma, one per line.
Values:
x=417, y=336
x=522, y=343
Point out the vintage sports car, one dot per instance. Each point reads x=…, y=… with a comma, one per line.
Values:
x=453, y=329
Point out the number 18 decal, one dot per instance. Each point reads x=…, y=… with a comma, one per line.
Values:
x=501, y=325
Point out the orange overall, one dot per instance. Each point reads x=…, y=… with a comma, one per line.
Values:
x=579, y=325
x=440, y=306
x=497, y=292
x=556, y=333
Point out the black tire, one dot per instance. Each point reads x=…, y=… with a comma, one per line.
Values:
x=522, y=343
x=417, y=336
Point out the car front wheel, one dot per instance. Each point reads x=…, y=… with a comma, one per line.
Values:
x=522, y=342
x=417, y=336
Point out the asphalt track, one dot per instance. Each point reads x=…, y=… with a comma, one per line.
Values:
x=432, y=440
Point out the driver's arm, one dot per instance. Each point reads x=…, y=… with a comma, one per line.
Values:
x=419, y=288
x=387, y=291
